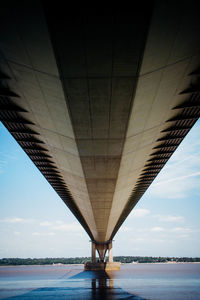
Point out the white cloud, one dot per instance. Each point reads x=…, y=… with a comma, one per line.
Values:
x=182, y=230
x=16, y=220
x=158, y=240
x=59, y=222
x=61, y=226
x=176, y=179
x=5, y=159
x=43, y=234
x=139, y=212
x=181, y=174
x=139, y=239
x=46, y=223
x=36, y=233
x=71, y=227
x=176, y=187
x=125, y=229
x=184, y=236
x=2, y=165
x=157, y=229
x=169, y=218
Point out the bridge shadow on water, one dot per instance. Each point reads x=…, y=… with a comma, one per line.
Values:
x=103, y=286
x=91, y=285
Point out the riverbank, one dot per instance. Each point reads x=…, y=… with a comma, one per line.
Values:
x=83, y=260
x=133, y=281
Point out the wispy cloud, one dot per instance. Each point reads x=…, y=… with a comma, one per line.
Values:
x=181, y=175
x=5, y=158
x=157, y=229
x=16, y=220
x=158, y=240
x=139, y=212
x=8, y=156
x=169, y=218
x=43, y=234
x=125, y=229
x=2, y=165
x=49, y=226
x=140, y=239
x=184, y=236
x=61, y=226
x=46, y=223
x=182, y=230
x=71, y=227
x=176, y=179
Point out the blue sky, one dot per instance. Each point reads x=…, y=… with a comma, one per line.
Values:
x=34, y=221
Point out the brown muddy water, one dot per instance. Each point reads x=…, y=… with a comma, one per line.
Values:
x=133, y=281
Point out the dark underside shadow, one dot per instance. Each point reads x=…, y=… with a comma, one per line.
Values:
x=103, y=287
x=85, y=285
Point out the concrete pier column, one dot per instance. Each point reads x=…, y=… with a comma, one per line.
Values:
x=102, y=254
x=110, y=252
x=93, y=252
x=102, y=248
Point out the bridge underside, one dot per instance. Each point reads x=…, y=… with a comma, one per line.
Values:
x=99, y=102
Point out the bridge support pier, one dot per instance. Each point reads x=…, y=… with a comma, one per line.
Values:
x=93, y=252
x=110, y=254
x=101, y=264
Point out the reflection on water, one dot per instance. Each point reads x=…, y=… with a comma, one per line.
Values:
x=84, y=285
x=142, y=281
x=102, y=286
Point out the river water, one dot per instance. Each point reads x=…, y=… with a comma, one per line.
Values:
x=133, y=281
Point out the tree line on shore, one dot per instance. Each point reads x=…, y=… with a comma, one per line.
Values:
x=82, y=260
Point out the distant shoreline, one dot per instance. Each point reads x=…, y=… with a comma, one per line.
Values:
x=82, y=260
x=61, y=265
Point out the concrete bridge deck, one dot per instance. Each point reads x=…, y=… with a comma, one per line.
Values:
x=99, y=101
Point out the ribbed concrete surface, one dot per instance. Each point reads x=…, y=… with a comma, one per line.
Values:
x=99, y=90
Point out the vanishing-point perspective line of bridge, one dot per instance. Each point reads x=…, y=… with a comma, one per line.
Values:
x=99, y=101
